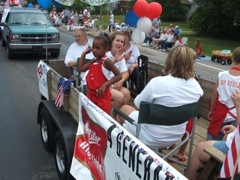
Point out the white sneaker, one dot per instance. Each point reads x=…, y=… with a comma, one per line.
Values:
x=144, y=44
x=164, y=50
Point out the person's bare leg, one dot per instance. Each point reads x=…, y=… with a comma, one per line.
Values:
x=126, y=95
x=198, y=159
x=117, y=99
x=126, y=109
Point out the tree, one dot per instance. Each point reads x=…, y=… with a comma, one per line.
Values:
x=217, y=18
x=172, y=10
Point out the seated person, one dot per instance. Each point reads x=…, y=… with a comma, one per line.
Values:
x=149, y=35
x=198, y=48
x=178, y=87
x=167, y=43
x=75, y=50
x=117, y=26
x=163, y=37
x=120, y=94
x=199, y=157
x=89, y=23
x=131, y=57
x=177, y=30
x=177, y=40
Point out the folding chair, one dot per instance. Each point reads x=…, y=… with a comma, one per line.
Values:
x=139, y=75
x=167, y=116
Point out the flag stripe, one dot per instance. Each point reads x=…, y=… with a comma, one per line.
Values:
x=228, y=167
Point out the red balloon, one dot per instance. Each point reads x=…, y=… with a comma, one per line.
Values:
x=155, y=10
x=140, y=8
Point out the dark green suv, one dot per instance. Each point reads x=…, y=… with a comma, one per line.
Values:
x=29, y=30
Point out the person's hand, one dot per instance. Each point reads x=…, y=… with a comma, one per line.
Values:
x=100, y=90
x=228, y=129
x=210, y=114
x=87, y=50
x=127, y=56
x=119, y=55
x=236, y=98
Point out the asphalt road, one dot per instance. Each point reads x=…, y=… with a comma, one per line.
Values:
x=22, y=155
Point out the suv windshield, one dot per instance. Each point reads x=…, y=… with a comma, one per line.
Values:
x=33, y=19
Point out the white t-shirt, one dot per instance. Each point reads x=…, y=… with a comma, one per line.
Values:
x=227, y=84
x=121, y=65
x=134, y=54
x=230, y=138
x=75, y=51
x=167, y=91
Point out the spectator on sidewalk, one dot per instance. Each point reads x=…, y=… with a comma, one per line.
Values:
x=66, y=15
x=149, y=36
x=163, y=37
x=167, y=43
x=157, y=24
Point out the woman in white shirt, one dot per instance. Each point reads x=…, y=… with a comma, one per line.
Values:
x=178, y=87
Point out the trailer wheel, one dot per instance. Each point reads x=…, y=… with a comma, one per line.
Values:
x=213, y=58
x=229, y=61
x=47, y=130
x=61, y=160
x=223, y=61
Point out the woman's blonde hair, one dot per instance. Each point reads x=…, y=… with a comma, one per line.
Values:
x=113, y=36
x=179, y=62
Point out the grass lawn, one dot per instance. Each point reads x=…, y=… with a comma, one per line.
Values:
x=208, y=43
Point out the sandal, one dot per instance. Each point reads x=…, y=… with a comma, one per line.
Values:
x=181, y=159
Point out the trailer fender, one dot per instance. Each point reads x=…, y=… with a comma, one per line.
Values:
x=65, y=124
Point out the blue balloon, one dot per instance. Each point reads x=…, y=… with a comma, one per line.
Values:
x=45, y=4
x=131, y=18
x=57, y=4
x=30, y=5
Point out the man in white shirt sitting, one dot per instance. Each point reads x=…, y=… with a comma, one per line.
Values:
x=75, y=50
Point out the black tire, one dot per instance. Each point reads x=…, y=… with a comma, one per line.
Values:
x=229, y=61
x=4, y=44
x=213, y=58
x=55, y=54
x=47, y=130
x=61, y=158
x=10, y=53
x=223, y=62
x=218, y=60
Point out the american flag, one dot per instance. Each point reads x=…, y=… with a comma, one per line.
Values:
x=231, y=165
x=62, y=87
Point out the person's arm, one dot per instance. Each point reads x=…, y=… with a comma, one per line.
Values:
x=119, y=84
x=81, y=66
x=213, y=100
x=109, y=65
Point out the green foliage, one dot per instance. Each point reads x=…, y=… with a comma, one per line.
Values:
x=216, y=18
x=172, y=10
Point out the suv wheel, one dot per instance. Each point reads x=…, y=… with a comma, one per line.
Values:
x=55, y=54
x=9, y=53
x=4, y=44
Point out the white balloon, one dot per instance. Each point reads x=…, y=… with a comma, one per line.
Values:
x=144, y=24
x=138, y=36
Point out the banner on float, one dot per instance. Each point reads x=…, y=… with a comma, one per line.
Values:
x=105, y=150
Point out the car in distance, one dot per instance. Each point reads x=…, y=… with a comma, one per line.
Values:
x=29, y=30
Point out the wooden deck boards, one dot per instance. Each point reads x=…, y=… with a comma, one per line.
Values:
x=200, y=135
